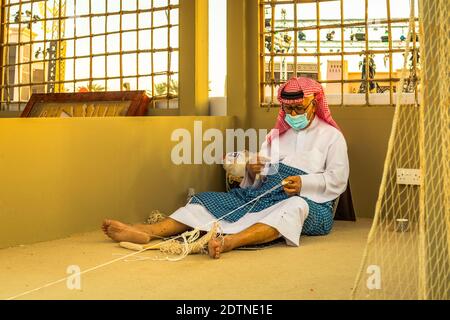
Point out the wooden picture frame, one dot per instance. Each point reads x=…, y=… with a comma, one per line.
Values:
x=87, y=104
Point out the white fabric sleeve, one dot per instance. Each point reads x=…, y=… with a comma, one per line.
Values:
x=327, y=186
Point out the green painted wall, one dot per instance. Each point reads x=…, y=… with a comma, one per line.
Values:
x=64, y=176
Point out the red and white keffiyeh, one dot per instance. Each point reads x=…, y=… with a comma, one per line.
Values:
x=308, y=87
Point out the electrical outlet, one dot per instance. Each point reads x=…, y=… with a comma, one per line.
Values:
x=408, y=176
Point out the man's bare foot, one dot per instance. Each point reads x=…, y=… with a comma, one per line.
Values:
x=218, y=245
x=119, y=231
x=147, y=228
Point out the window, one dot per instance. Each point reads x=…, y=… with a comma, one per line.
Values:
x=217, y=47
x=335, y=42
x=89, y=45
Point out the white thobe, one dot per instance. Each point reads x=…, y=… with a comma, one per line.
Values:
x=319, y=150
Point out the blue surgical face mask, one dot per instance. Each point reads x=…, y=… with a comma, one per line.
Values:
x=298, y=122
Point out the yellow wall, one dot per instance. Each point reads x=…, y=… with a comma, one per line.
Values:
x=63, y=176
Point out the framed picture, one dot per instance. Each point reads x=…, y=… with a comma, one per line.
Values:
x=87, y=104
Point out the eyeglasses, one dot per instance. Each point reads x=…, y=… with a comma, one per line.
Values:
x=297, y=109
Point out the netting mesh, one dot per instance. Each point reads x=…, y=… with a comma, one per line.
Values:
x=411, y=261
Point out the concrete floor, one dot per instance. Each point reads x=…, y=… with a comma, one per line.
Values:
x=321, y=268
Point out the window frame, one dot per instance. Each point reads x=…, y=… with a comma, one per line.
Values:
x=58, y=62
x=272, y=83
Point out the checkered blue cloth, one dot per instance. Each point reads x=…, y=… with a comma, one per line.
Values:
x=318, y=222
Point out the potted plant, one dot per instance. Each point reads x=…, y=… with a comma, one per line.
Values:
x=171, y=94
x=94, y=87
x=368, y=72
x=20, y=17
x=301, y=36
x=385, y=37
x=330, y=35
x=358, y=36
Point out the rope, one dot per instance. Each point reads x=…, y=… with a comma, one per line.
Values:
x=187, y=236
x=76, y=274
x=190, y=237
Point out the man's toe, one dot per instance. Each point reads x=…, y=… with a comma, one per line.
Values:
x=217, y=252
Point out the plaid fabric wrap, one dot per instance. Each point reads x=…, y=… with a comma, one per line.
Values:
x=318, y=222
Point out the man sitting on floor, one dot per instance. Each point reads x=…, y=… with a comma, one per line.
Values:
x=312, y=162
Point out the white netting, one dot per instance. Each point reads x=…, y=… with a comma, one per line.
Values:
x=414, y=263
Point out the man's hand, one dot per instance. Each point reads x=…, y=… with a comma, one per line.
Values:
x=255, y=167
x=292, y=185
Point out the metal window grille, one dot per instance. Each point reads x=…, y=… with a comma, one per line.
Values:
x=338, y=49
x=49, y=46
